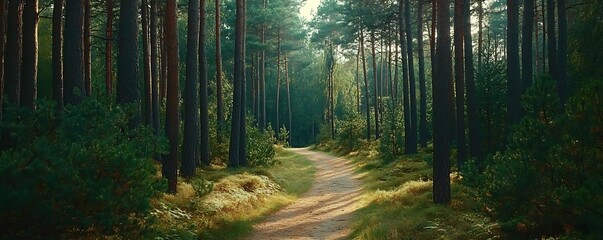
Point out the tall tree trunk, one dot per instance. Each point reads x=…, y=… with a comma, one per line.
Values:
x=14, y=46
x=552, y=40
x=108, y=48
x=29, y=72
x=164, y=64
x=480, y=33
x=203, y=92
x=544, y=37
x=262, y=70
x=358, y=104
x=219, y=90
x=190, y=153
x=87, y=49
x=73, y=56
x=459, y=77
x=441, y=147
x=278, y=79
x=526, y=44
x=154, y=68
x=405, y=80
x=376, y=93
x=128, y=91
x=288, y=100
x=422, y=82
x=2, y=47
x=146, y=56
x=472, y=116
x=513, y=77
x=366, y=87
x=243, y=35
x=411, y=147
x=239, y=71
x=332, y=89
x=170, y=162
x=562, y=78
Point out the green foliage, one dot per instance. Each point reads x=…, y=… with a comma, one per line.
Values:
x=549, y=179
x=391, y=139
x=351, y=131
x=76, y=173
x=260, y=148
x=202, y=186
x=283, y=137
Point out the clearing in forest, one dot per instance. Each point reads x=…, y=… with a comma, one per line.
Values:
x=325, y=211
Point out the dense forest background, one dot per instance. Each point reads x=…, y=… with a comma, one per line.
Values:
x=106, y=103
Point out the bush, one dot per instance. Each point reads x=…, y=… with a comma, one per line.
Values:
x=549, y=180
x=80, y=172
x=350, y=132
x=260, y=146
x=202, y=186
x=391, y=139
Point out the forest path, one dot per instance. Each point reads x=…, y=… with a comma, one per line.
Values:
x=325, y=211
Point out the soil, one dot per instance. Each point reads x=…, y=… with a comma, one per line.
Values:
x=325, y=211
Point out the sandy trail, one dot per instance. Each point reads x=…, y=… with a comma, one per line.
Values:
x=324, y=212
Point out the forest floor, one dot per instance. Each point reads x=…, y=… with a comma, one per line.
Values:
x=325, y=211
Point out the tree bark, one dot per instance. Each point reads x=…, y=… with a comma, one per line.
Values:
x=552, y=41
x=288, y=101
x=190, y=153
x=239, y=70
x=203, y=92
x=459, y=78
x=219, y=96
x=422, y=82
x=128, y=91
x=513, y=74
x=562, y=78
x=366, y=87
x=73, y=56
x=376, y=93
x=243, y=134
x=405, y=80
x=146, y=56
x=278, y=80
x=526, y=44
x=29, y=72
x=87, y=50
x=441, y=146
x=170, y=163
x=14, y=47
x=411, y=148
x=2, y=48
x=154, y=68
x=109, y=48
x=472, y=116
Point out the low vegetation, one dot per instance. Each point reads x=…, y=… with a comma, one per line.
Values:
x=224, y=204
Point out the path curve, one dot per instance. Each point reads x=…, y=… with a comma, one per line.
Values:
x=325, y=211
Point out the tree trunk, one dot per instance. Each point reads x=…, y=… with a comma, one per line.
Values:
x=12, y=57
x=459, y=78
x=164, y=64
x=376, y=93
x=262, y=118
x=526, y=44
x=154, y=68
x=562, y=78
x=332, y=89
x=513, y=77
x=405, y=81
x=203, y=92
x=73, y=56
x=366, y=87
x=219, y=96
x=128, y=91
x=238, y=81
x=288, y=99
x=190, y=153
x=422, y=82
x=109, y=48
x=552, y=41
x=411, y=147
x=358, y=105
x=87, y=49
x=2, y=47
x=441, y=147
x=278, y=80
x=29, y=71
x=170, y=162
x=472, y=116
x=243, y=131
x=480, y=33
x=146, y=56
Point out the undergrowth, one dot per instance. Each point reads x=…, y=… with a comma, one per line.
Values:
x=224, y=204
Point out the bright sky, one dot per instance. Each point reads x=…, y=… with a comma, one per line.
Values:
x=309, y=9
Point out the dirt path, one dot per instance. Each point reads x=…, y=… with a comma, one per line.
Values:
x=324, y=212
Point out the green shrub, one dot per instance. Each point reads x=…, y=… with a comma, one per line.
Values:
x=260, y=146
x=351, y=131
x=283, y=137
x=391, y=139
x=202, y=186
x=549, y=180
x=80, y=172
